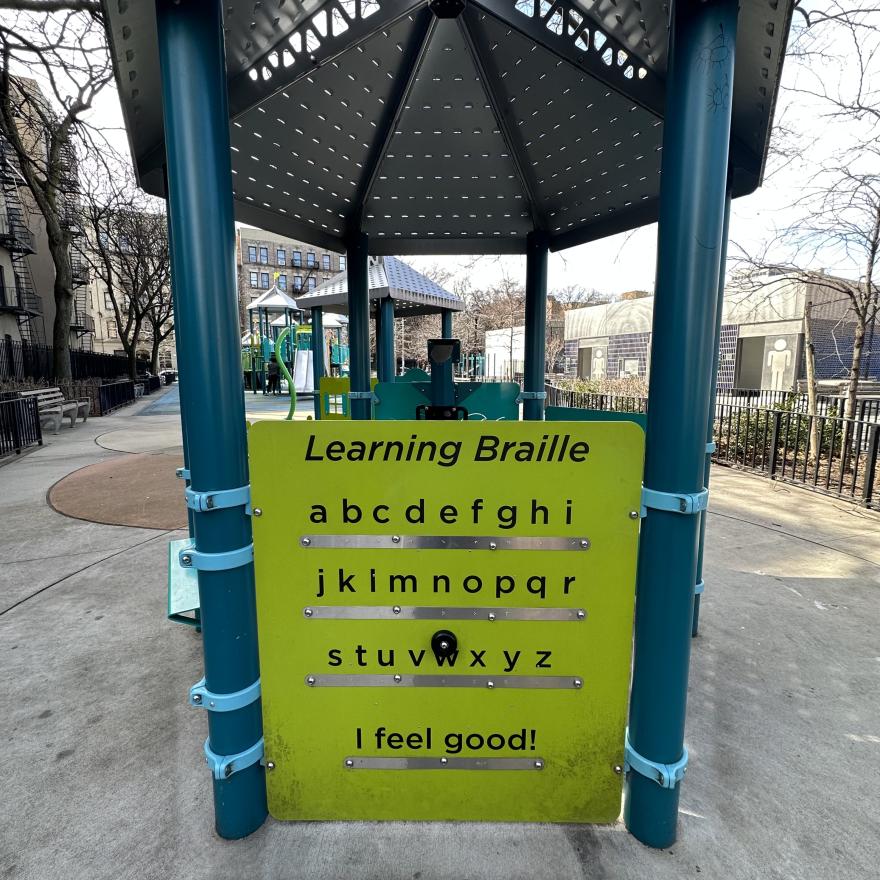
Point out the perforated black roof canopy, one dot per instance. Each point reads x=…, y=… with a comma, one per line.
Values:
x=451, y=126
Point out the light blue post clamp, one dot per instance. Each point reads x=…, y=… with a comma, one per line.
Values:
x=665, y=775
x=674, y=502
x=223, y=766
x=710, y=448
x=217, y=498
x=531, y=395
x=192, y=558
x=182, y=473
x=202, y=698
x=699, y=586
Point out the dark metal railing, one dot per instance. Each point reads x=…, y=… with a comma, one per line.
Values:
x=150, y=383
x=23, y=360
x=829, y=454
x=771, y=433
x=867, y=408
x=114, y=395
x=594, y=400
x=19, y=425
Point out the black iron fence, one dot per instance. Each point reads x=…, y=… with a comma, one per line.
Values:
x=829, y=454
x=19, y=425
x=593, y=400
x=150, y=383
x=23, y=360
x=113, y=395
x=867, y=408
x=771, y=433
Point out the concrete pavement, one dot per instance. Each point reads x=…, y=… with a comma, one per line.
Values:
x=102, y=773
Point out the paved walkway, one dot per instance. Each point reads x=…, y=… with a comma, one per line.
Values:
x=102, y=774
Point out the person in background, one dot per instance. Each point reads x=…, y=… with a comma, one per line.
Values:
x=273, y=377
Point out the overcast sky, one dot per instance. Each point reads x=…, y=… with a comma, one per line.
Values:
x=626, y=262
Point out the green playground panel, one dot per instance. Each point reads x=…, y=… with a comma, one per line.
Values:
x=183, y=586
x=333, y=391
x=413, y=374
x=492, y=401
x=574, y=414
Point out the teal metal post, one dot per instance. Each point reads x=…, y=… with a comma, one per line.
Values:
x=317, y=355
x=209, y=359
x=710, y=429
x=264, y=345
x=385, y=340
x=446, y=324
x=696, y=136
x=251, y=350
x=536, y=325
x=359, y=324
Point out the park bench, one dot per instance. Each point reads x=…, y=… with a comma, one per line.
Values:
x=53, y=408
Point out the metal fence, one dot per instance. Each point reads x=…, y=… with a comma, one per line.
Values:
x=829, y=454
x=867, y=408
x=114, y=395
x=593, y=400
x=23, y=360
x=19, y=425
x=770, y=433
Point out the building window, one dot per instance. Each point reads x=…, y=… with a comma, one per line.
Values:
x=111, y=330
x=325, y=262
x=108, y=300
x=264, y=280
x=310, y=260
x=297, y=282
x=264, y=255
x=628, y=367
x=280, y=257
x=255, y=279
x=297, y=259
x=3, y=300
x=313, y=282
x=342, y=264
x=282, y=282
x=252, y=253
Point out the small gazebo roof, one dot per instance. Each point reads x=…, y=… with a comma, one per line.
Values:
x=450, y=126
x=329, y=321
x=412, y=292
x=274, y=300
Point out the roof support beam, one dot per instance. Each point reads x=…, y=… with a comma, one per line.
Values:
x=407, y=71
x=481, y=55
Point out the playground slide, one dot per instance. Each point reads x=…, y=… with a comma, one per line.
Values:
x=304, y=372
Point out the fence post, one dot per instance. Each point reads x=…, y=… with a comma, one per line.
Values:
x=871, y=464
x=774, y=442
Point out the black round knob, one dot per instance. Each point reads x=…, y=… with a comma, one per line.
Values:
x=444, y=644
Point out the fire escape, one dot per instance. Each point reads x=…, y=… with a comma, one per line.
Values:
x=19, y=297
x=81, y=322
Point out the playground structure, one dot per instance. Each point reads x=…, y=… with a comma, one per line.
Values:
x=274, y=310
x=556, y=119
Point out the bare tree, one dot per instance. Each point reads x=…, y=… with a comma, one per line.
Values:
x=127, y=251
x=160, y=312
x=59, y=48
